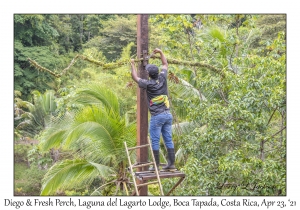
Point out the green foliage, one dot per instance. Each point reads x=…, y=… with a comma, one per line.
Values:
x=34, y=30
x=241, y=116
x=117, y=34
x=68, y=173
x=26, y=77
x=50, y=40
x=37, y=115
x=270, y=26
x=95, y=133
x=27, y=181
x=76, y=193
x=20, y=152
x=38, y=158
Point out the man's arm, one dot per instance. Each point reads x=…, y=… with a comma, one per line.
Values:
x=133, y=71
x=163, y=58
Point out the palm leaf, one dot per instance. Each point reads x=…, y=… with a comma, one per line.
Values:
x=185, y=127
x=95, y=133
x=96, y=94
x=217, y=33
x=185, y=90
x=180, y=93
x=52, y=140
x=71, y=173
x=56, y=132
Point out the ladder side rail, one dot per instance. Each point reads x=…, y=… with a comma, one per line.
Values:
x=131, y=169
x=156, y=169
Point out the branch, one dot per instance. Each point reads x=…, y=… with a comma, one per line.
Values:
x=117, y=188
x=230, y=59
x=222, y=96
x=275, y=134
x=278, y=131
x=272, y=116
x=188, y=63
x=71, y=64
x=273, y=149
x=213, y=52
x=36, y=65
x=99, y=63
x=103, y=186
x=122, y=63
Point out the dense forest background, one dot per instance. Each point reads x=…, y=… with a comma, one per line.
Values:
x=227, y=89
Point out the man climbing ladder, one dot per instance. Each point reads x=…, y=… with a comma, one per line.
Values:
x=158, y=104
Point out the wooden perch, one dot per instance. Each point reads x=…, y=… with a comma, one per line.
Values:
x=188, y=63
x=121, y=63
x=39, y=67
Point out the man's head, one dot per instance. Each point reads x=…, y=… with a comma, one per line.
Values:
x=152, y=70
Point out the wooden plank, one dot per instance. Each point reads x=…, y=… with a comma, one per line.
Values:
x=179, y=181
x=143, y=165
x=160, y=172
x=150, y=175
x=147, y=175
x=147, y=183
x=138, y=147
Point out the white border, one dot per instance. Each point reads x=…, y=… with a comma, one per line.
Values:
x=8, y=8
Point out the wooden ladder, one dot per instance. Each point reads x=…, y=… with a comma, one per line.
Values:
x=132, y=166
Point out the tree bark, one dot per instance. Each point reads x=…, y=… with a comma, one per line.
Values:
x=262, y=150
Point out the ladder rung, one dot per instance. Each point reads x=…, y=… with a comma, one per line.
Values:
x=142, y=165
x=144, y=184
x=137, y=147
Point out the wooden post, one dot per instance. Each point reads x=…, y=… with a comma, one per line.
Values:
x=142, y=107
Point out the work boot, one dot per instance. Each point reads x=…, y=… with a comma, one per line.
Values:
x=156, y=157
x=171, y=160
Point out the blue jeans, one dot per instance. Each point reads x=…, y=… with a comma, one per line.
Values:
x=161, y=124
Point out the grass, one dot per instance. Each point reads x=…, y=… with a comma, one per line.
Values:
x=27, y=181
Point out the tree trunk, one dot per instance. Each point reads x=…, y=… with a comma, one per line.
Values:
x=262, y=150
x=54, y=153
x=81, y=29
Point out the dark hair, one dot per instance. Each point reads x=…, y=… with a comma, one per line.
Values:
x=152, y=70
x=154, y=76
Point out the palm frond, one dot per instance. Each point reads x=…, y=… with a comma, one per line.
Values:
x=181, y=93
x=184, y=127
x=217, y=33
x=52, y=140
x=185, y=90
x=54, y=135
x=95, y=133
x=71, y=173
x=180, y=155
x=88, y=131
x=96, y=94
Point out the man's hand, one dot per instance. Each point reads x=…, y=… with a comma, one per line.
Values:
x=162, y=57
x=156, y=50
x=133, y=71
